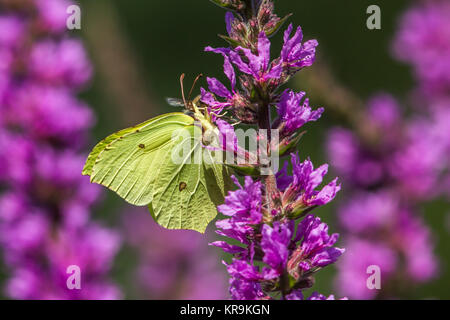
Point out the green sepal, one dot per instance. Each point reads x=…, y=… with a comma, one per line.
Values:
x=223, y=4
x=300, y=212
x=231, y=41
x=289, y=145
x=245, y=170
x=276, y=28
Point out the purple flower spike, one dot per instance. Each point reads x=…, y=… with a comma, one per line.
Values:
x=262, y=214
x=294, y=111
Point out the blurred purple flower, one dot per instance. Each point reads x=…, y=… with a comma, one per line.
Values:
x=53, y=62
x=172, y=264
x=416, y=243
x=12, y=31
x=351, y=280
x=45, y=223
x=367, y=212
x=49, y=113
x=423, y=40
x=384, y=111
x=52, y=14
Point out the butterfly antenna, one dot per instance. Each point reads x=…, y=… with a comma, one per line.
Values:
x=193, y=85
x=182, y=89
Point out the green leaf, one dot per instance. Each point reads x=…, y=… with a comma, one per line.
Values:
x=136, y=163
x=223, y=4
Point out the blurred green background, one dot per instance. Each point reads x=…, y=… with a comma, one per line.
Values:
x=141, y=47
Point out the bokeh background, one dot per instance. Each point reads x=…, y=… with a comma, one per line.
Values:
x=139, y=49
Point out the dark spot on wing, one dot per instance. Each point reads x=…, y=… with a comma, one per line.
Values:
x=142, y=146
x=182, y=186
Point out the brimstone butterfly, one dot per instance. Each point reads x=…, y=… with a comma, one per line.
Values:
x=137, y=164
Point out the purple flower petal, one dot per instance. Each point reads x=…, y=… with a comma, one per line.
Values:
x=263, y=51
x=227, y=66
x=216, y=87
x=229, y=18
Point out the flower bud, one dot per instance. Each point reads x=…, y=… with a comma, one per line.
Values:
x=226, y=4
x=294, y=261
x=289, y=144
x=272, y=27
x=246, y=170
x=305, y=283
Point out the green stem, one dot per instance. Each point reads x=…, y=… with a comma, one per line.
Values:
x=268, y=180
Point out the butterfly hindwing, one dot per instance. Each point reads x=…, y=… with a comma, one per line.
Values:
x=186, y=197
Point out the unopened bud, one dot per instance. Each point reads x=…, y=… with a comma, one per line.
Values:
x=294, y=261
x=226, y=4
x=273, y=26
x=305, y=283
x=289, y=144
x=246, y=170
